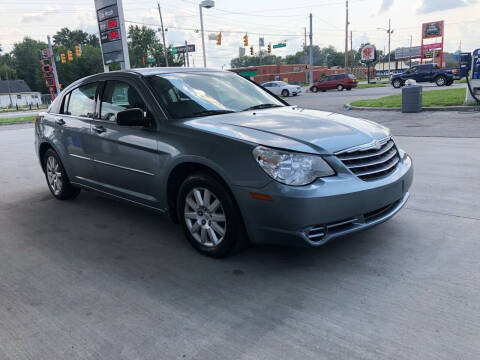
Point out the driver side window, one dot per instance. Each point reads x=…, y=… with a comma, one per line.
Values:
x=118, y=96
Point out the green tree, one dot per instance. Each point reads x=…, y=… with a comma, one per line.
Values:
x=262, y=58
x=68, y=38
x=88, y=64
x=144, y=43
x=25, y=58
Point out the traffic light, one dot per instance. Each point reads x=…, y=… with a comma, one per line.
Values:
x=251, y=50
x=144, y=60
x=69, y=55
x=78, y=50
x=62, y=57
x=269, y=48
x=245, y=40
x=219, y=39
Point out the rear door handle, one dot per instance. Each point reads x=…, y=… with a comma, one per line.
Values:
x=60, y=121
x=99, y=129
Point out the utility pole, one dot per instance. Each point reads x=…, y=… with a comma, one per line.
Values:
x=305, y=53
x=351, y=51
x=186, y=52
x=346, y=36
x=389, y=51
x=54, y=67
x=311, y=52
x=410, y=51
x=163, y=35
x=9, y=90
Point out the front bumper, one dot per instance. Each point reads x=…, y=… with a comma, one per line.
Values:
x=328, y=208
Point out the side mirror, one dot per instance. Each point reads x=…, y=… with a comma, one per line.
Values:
x=131, y=117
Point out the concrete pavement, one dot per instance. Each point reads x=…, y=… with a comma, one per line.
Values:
x=99, y=279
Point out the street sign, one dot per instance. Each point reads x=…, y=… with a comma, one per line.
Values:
x=248, y=73
x=57, y=58
x=150, y=60
x=181, y=49
x=279, y=45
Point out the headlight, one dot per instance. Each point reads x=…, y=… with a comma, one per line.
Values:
x=291, y=168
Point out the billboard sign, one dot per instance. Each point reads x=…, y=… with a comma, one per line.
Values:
x=368, y=53
x=407, y=52
x=113, y=37
x=432, y=29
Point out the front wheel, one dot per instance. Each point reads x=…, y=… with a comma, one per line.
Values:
x=314, y=89
x=440, y=81
x=397, y=83
x=339, y=87
x=208, y=215
x=285, y=93
x=57, y=178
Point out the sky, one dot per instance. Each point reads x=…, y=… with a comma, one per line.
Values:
x=274, y=20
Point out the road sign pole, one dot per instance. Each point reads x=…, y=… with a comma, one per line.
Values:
x=125, y=64
x=54, y=67
x=203, y=37
x=311, y=52
x=186, y=52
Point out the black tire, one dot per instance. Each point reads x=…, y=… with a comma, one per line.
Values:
x=449, y=83
x=339, y=87
x=397, y=83
x=234, y=235
x=314, y=89
x=285, y=93
x=62, y=190
x=440, y=80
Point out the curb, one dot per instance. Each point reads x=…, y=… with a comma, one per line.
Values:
x=17, y=123
x=429, y=108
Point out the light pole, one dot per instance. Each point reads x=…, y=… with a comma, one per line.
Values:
x=204, y=4
x=389, y=32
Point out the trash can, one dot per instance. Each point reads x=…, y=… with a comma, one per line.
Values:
x=412, y=99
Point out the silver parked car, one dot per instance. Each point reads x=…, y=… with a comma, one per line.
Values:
x=282, y=88
x=224, y=158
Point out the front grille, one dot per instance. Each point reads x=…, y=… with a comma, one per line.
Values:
x=371, y=164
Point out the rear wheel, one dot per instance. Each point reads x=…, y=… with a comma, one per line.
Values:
x=440, y=80
x=314, y=89
x=57, y=178
x=449, y=82
x=285, y=93
x=397, y=83
x=339, y=87
x=209, y=216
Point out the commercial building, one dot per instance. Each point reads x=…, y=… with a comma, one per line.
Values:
x=17, y=92
x=294, y=73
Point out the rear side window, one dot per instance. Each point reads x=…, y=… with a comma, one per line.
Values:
x=82, y=101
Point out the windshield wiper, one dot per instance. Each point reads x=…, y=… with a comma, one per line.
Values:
x=206, y=113
x=262, y=106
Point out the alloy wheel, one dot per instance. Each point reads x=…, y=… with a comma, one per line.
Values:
x=205, y=217
x=54, y=175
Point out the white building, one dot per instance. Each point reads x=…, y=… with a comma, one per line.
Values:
x=17, y=92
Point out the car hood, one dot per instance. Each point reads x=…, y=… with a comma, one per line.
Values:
x=293, y=128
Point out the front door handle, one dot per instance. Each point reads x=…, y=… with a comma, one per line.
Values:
x=60, y=121
x=99, y=129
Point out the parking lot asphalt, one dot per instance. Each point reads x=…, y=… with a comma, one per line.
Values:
x=98, y=279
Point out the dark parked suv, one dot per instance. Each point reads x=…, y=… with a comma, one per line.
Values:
x=338, y=81
x=223, y=157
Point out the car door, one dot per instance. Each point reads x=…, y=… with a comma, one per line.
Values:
x=125, y=157
x=330, y=83
x=275, y=88
x=74, y=122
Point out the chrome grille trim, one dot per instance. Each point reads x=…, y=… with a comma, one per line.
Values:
x=371, y=161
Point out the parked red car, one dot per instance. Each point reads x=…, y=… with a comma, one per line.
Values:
x=338, y=81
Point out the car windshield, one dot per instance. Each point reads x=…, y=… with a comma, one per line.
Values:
x=189, y=94
x=281, y=83
x=351, y=76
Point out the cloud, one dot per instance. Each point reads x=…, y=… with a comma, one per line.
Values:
x=386, y=5
x=428, y=6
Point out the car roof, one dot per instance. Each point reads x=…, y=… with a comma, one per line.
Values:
x=168, y=70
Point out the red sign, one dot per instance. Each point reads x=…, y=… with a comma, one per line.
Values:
x=432, y=46
x=368, y=53
x=112, y=23
x=432, y=29
x=113, y=35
